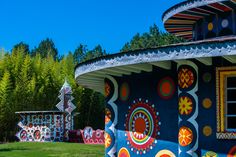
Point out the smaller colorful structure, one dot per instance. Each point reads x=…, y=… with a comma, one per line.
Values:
x=91, y=136
x=88, y=136
x=41, y=126
x=65, y=105
x=51, y=126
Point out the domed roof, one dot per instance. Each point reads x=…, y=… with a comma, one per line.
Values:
x=181, y=18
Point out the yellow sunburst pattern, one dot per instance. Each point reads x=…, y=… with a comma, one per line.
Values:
x=185, y=105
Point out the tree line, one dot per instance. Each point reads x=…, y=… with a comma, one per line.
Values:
x=30, y=80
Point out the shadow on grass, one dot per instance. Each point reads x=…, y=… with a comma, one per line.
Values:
x=11, y=149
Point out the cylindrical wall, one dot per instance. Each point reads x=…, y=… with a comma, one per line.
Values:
x=111, y=115
x=188, y=109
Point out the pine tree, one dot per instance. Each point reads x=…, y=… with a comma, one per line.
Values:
x=6, y=110
x=46, y=48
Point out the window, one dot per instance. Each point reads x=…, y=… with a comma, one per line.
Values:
x=231, y=103
x=226, y=102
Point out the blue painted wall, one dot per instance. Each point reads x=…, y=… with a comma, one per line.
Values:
x=141, y=91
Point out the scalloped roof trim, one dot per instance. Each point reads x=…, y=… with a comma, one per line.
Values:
x=208, y=48
x=178, y=8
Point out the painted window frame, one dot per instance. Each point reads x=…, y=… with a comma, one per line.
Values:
x=222, y=73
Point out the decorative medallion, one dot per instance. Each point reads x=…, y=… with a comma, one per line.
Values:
x=98, y=133
x=206, y=103
x=166, y=88
x=23, y=135
x=186, y=78
x=123, y=152
x=185, y=136
x=107, y=89
x=88, y=132
x=225, y=23
x=207, y=130
x=206, y=77
x=107, y=115
x=108, y=140
x=142, y=125
x=37, y=135
x=30, y=125
x=232, y=152
x=210, y=26
x=185, y=105
x=165, y=153
x=124, y=91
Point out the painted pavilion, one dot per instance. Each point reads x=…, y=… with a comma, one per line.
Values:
x=175, y=100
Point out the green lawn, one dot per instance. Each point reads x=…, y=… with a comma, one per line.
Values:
x=24, y=149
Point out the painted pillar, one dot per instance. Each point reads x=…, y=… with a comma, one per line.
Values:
x=188, y=108
x=66, y=106
x=111, y=116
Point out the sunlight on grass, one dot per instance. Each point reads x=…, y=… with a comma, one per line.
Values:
x=25, y=149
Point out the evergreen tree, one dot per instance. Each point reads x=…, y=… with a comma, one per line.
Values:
x=153, y=38
x=94, y=53
x=79, y=53
x=6, y=112
x=24, y=48
x=46, y=48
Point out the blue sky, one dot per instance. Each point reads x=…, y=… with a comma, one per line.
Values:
x=68, y=23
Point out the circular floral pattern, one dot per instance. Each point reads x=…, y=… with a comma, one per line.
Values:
x=210, y=26
x=185, y=105
x=166, y=88
x=185, y=136
x=225, y=23
x=124, y=91
x=232, y=152
x=107, y=89
x=142, y=125
x=165, y=153
x=107, y=116
x=185, y=78
x=123, y=152
x=206, y=103
x=207, y=131
x=108, y=140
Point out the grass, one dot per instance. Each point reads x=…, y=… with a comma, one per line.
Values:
x=27, y=149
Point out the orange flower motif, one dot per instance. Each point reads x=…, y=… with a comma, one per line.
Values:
x=185, y=136
x=107, y=140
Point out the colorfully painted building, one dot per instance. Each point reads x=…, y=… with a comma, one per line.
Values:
x=176, y=100
x=41, y=126
x=48, y=126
